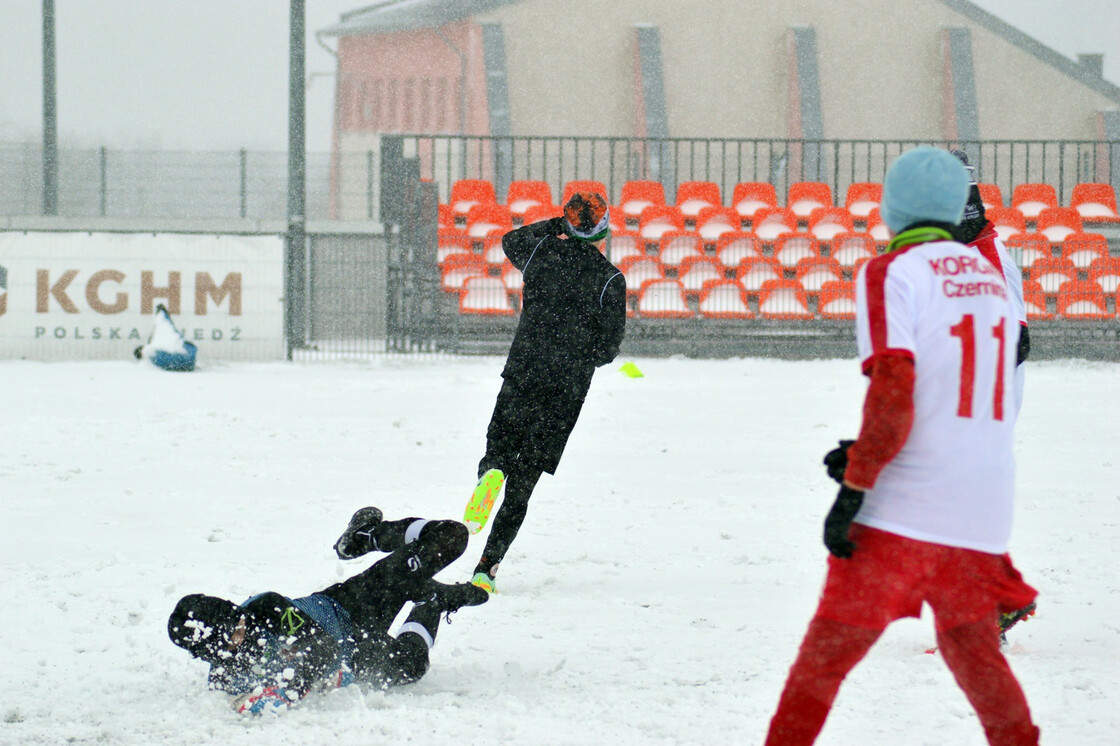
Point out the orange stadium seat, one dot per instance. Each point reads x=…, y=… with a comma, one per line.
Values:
x=623, y=244
x=485, y=295
x=750, y=196
x=814, y=271
x=1096, y=203
x=732, y=248
x=455, y=271
x=1084, y=248
x=695, y=271
x=486, y=219
x=675, y=246
x=658, y=219
x=522, y=195
x=754, y=272
x=451, y=242
x=637, y=196
x=512, y=279
x=805, y=196
x=492, y=252
x=713, y=222
x=584, y=185
x=693, y=196
x=791, y=248
x=1031, y=198
x=863, y=197
x=1083, y=300
x=1007, y=221
x=846, y=248
x=1026, y=248
x=466, y=193
x=1058, y=222
x=783, y=299
x=638, y=269
x=1034, y=300
x=1051, y=272
x=445, y=216
x=990, y=195
x=537, y=213
x=827, y=222
x=724, y=299
x=877, y=229
x=663, y=298
x=1106, y=273
x=837, y=300
x=770, y=222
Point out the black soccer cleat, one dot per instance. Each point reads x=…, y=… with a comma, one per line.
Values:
x=1009, y=620
x=358, y=539
x=453, y=597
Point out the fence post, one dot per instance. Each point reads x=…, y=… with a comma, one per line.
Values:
x=104, y=180
x=244, y=179
x=369, y=185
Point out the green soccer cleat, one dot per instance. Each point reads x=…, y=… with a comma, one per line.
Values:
x=485, y=582
x=482, y=500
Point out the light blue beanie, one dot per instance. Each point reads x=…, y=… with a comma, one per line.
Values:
x=924, y=184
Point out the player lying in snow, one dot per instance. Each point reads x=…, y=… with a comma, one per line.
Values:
x=271, y=651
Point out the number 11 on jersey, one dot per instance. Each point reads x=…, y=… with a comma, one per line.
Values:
x=965, y=330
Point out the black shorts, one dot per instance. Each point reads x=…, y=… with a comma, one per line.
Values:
x=531, y=424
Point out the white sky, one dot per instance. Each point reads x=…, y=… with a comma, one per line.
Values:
x=212, y=74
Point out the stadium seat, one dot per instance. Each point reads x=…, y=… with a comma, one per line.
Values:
x=445, y=216
x=584, y=185
x=862, y=198
x=512, y=279
x=1095, y=203
x=713, y=222
x=1051, y=272
x=783, y=299
x=694, y=271
x=750, y=196
x=814, y=271
x=1034, y=301
x=485, y=295
x=451, y=242
x=638, y=269
x=623, y=244
x=466, y=193
x=537, y=213
x=805, y=196
x=990, y=195
x=637, y=196
x=1083, y=300
x=663, y=298
x=658, y=219
x=675, y=246
x=1031, y=199
x=754, y=272
x=456, y=270
x=1026, y=248
x=486, y=219
x=837, y=300
x=492, y=251
x=1007, y=221
x=522, y=195
x=846, y=248
x=877, y=229
x=770, y=222
x=724, y=299
x=733, y=248
x=1058, y=222
x=1084, y=248
x=827, y=222
x=791, y=248
x=693, y=196
x=1106, y=273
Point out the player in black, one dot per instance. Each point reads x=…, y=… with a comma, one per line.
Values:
x=271, y=650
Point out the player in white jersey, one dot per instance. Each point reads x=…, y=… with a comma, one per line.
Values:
x=924, y=512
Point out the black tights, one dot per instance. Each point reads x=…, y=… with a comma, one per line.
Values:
x=520, y=483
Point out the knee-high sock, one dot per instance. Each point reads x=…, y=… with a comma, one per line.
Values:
x=438, y=543
x=829, y=651
x=520, y=483
x=972, y=653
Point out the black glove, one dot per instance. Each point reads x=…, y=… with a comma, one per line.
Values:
x=836, y=461
x=839, y=520
x=1024, y=349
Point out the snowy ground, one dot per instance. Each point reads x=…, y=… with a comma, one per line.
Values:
x=656, y=595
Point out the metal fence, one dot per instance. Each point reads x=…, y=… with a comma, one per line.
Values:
x=103, y=182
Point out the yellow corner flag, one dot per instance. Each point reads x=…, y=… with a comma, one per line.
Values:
x=631, y=370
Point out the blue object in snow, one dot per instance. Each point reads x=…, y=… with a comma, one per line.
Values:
x=167, y=348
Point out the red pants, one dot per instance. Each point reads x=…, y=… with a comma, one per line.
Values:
x=889, y=577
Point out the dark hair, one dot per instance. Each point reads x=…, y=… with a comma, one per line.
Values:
x=202, y=624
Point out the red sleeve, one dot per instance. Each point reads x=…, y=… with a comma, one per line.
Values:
x=888, y=413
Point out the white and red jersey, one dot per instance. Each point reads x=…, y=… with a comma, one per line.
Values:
x=995, y=251
x=946, y=307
